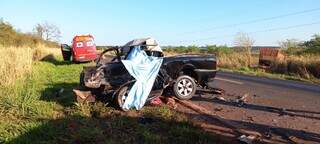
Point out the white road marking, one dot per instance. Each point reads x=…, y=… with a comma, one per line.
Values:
x=231, y=81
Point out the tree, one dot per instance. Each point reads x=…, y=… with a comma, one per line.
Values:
x=291, y=46
x=244, y=43
x=46, y=31
x=313, y=45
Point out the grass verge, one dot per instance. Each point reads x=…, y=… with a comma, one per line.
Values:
x=32, y=111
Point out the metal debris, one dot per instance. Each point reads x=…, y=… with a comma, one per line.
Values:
x=247, y=139
x=218, y=109
x=241, y=100
x=220, y=98
x=250, y=118
x=84, y=96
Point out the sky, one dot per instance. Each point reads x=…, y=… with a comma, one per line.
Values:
x=171, y=22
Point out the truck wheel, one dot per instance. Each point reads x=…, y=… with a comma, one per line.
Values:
x=122, y=95
x=185, y=87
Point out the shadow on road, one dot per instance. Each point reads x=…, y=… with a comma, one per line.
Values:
x=280, y=111
x=286, y=135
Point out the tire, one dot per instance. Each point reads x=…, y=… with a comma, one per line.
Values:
x=121, y=96
x=185, y=87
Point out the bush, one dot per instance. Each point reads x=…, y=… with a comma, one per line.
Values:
x=313, y=45
x=10, y=37
x=234, y=60
x=211, y=49
x=219, y=50
x=306, y=66
x=16, y=62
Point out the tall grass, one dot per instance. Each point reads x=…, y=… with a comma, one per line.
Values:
x=235, y=60
x=17, y=87
x=20, y=88
x=304, y=66
x=300, y=67
x=16, y=62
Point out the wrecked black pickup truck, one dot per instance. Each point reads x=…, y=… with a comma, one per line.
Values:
x=181, y=74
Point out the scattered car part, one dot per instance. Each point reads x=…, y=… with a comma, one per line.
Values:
x=84, y=96
x=211, y=115
x=247, y=139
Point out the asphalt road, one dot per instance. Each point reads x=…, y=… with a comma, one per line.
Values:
x=286, y=109
x=282, y=93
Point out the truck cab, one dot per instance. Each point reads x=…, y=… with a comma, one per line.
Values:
x=83, y=49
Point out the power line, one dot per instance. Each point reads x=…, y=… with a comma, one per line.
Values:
x=255, y=21
x=266, y=30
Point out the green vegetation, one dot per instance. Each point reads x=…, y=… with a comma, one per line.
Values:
x=32, y=111
x=295, y=47
x=289, y=46
x=302, y=60
x=11, y=37
x=212, y=49
x=37, y=104
x=313, y=46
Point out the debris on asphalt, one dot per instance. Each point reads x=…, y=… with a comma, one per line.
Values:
x=217, y=118
x=268, y=134
x=220, y=98
x=84, y=96
x=284, y=135
x=218, y=91
x=218, y=109
x=250, y=118
x=247, y=139
x=241, y=100
x=211, y=90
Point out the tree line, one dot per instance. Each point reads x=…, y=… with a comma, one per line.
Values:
x=43, y=33
x=244, y=43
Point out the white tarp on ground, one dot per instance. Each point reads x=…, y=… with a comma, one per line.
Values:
x=144, y=69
